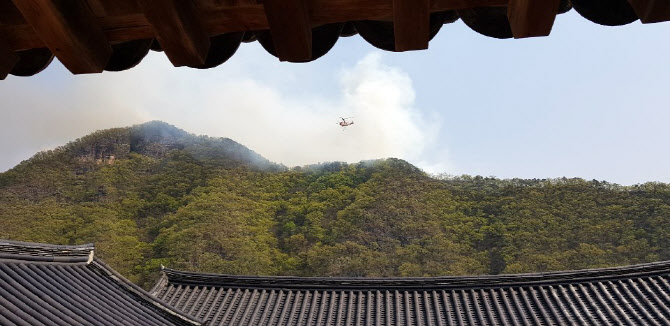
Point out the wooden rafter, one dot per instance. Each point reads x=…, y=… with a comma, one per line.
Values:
x=290, y=28
x=70, y=31
x=411, y=24
x=528, y=18
x=7, y=59
x=179, y=30
x=651, y=11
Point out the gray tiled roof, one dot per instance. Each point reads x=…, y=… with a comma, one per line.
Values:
x=65, y=285
x=632, y=295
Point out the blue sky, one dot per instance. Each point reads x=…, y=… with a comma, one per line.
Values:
x=587, y=101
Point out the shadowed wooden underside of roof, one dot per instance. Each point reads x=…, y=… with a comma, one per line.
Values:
x=90, y=36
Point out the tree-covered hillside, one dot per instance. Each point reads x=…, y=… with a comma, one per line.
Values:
x=152, y=194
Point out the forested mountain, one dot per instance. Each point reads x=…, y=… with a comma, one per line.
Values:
x=153, y=194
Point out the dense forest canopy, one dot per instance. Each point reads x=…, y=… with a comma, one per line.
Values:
x=152, y=194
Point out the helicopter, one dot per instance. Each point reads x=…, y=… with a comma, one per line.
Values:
x=346, y=122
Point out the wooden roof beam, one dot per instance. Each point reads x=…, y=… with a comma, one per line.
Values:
x=7, y=59
x=70, y=31
x=120, y=7
x=9, y=15
x=529, y=18
x=411, y=24
x=227, y=3
x=441, y=5
x=651, y=11
x=179, y=30
x=290, y=27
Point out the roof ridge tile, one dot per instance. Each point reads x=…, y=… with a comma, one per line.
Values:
x=584, y=275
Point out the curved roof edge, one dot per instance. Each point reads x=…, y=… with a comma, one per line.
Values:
x=138, y=291
x=446, y=282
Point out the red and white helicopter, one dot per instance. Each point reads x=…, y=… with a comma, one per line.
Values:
x=346, y=122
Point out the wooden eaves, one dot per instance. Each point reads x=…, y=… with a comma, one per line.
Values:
x=90, y=36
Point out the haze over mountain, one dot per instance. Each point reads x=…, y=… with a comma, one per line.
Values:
x=153, y=194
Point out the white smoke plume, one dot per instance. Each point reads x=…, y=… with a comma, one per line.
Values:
x=297, y=131
x=285, y=125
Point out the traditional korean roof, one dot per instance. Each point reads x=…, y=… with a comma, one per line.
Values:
x=89, y=36
x=66, y=285
x=631, y=295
